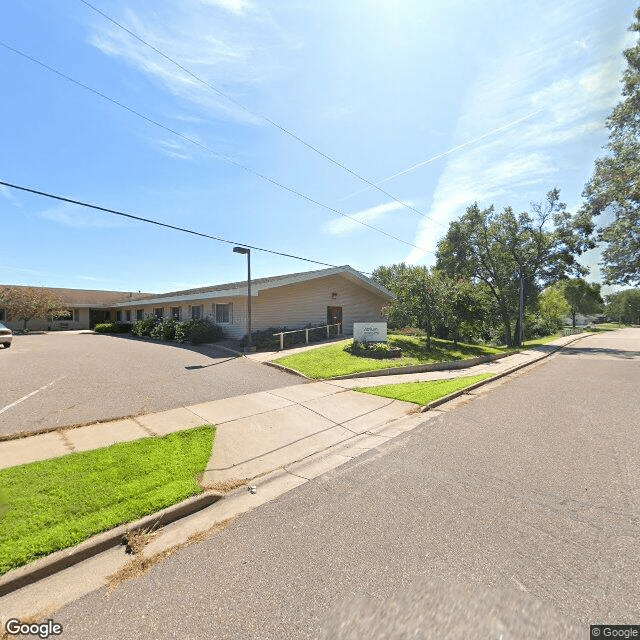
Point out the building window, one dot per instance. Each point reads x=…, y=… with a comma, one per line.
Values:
x=139, y=314
x=176, y=313
x=159, y=313
x=76, y=315
x=223, y=313
x=118, y=316
x=127, y=315
x=196, y=312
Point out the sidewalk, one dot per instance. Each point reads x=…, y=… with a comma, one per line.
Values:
x=262, y=431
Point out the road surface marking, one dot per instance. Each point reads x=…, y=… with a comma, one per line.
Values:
x=33, y=393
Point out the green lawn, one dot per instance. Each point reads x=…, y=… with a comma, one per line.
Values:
x=424, y=392
x=333, y=360
x=57, y=503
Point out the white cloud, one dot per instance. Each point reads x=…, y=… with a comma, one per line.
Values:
x=232, y=50
x=523, y=161
x=341, y=226
x=77, y=218
x=235, y=6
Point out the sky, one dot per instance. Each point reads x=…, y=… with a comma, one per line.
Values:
x=440, y=104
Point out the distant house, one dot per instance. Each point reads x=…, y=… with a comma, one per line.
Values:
x=326, y=296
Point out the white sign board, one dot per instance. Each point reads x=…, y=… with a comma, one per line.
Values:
x=370, y=331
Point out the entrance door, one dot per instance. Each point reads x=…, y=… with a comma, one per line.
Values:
x=334, y=315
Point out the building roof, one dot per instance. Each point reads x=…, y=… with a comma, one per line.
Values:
x=100, y=299
x=87, y=297
x=237, y=289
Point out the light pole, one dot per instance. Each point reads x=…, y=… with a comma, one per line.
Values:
x=248, y=254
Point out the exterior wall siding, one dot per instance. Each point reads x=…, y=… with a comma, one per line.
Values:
x=293, y=306
x=297, y=305
x=42, y=324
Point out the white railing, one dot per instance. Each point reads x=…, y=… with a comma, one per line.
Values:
x=306, y=332
x=570, y=331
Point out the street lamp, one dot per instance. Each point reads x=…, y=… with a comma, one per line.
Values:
x=248, y=254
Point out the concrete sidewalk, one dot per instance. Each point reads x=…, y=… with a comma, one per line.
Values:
x=263, y=431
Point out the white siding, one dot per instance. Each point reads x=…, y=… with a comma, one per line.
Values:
x=305, y=303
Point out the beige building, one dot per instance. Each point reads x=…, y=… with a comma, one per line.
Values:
x=327, y=296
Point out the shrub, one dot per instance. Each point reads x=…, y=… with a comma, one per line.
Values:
x=144, y=327
x=197, y=331
x=373, y=350
x=265, y=339
x=165, y=329
x=112, y=327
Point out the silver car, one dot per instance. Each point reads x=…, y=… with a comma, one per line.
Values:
x=6, y=336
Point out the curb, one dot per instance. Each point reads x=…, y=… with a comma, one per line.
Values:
x=59, y=560
x=293, y=371
x=497, y=376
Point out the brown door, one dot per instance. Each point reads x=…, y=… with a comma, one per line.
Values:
x=334, y=315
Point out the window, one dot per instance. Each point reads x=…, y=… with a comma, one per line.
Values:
x=76, y=315
x=127, y=315
x=139, y=314
x=196, y=312
x=118, y=316
x=176, y=312
x=223, y=313
x=3, y=315
x=159, y=313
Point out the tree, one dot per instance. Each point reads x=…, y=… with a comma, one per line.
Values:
x=500, y=249
x=581, y=297
x=624, y=306
x=553, y=309
x=615, y=184
x=26, y=303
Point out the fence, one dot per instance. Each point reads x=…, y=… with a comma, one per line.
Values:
x=570, y=331
x=306, y=334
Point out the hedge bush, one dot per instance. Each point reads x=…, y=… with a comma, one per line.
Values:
x=198, y=331
x=165, y=329
x=143, y=328
x=112, y=327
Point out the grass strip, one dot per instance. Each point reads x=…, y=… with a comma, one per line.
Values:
x=335, y=360
x=54, y=504
x=422, y=393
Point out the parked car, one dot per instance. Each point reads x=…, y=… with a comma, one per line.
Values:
x=6, y=336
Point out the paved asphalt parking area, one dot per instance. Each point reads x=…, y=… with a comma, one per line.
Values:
x=63, y=379
x=532, y=488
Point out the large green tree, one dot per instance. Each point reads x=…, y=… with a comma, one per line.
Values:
x=615, y=185
x=581, y=296
x=499, y=248
x=624, y=306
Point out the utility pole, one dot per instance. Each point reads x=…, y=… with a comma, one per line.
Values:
x=247, y=252
x=521, y=313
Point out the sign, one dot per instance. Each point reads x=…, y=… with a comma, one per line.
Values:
x=370, y=331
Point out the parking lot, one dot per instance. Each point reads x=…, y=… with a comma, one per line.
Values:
x=70, y=378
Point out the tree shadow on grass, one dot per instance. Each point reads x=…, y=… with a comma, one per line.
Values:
x=440, y=351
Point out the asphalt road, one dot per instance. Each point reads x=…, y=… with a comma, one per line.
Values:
x=513, y=516
x=63, y=379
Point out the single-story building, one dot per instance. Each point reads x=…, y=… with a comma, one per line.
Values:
x=327, y=296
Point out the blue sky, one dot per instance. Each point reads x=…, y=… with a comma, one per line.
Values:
x=448, y=103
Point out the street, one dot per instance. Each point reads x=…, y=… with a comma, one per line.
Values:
x=63, y=379
x=532, y=488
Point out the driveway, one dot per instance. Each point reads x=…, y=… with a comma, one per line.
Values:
x=63, y=379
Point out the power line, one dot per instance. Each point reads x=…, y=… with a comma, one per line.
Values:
x=162, y=224
x=208, y=149
x=284, y=130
